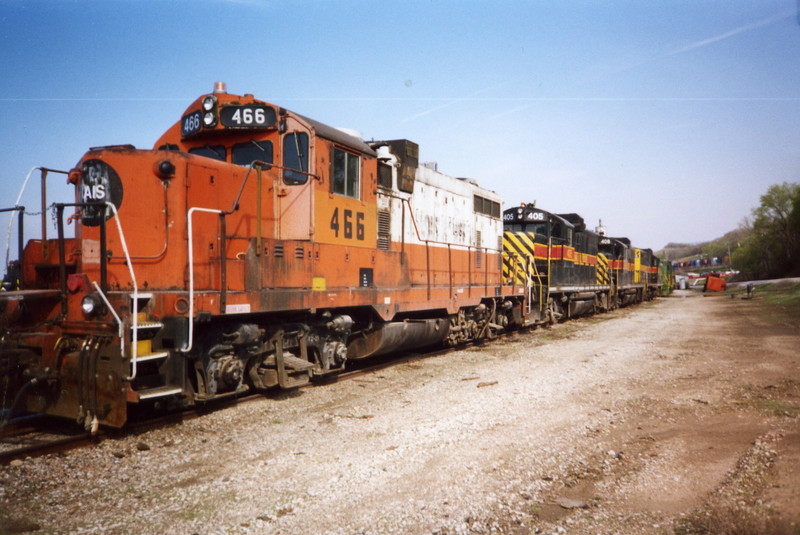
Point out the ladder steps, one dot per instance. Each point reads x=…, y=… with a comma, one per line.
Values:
x=158, y=392
x=143, y=325
x=152, y=356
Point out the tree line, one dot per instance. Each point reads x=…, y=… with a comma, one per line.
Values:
x=770, y=247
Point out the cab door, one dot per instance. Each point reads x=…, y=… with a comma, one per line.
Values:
x=292, y=192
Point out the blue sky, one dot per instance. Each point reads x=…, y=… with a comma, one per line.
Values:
x=667, y=119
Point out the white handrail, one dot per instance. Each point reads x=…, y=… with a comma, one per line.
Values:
x=190, y=341
x=16, y=205
x=120, y=330
x=135, y=324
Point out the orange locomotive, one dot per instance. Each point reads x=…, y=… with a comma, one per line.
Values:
x=251, y=248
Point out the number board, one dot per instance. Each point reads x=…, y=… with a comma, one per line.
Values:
x=252, y=116
x=529, y=215
x=190, y=124
x=535, y=216
x=346, y=222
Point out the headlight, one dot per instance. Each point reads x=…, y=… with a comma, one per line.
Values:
x=209, y=106
x=90, y=304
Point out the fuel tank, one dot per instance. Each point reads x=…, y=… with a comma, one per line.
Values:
x=399, y=336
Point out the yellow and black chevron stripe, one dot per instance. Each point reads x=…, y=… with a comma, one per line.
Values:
x=603, y=273
x=519, y=255
x=520, y=252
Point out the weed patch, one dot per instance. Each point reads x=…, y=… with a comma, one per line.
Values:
x=782, y=302
x=775, y=407
x=735, y=520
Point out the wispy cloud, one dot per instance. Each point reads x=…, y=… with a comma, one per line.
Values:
x=509, y=112
x=742, y=29
x=469, y=97
x=250, y=3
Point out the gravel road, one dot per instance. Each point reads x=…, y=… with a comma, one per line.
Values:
x=645, y=420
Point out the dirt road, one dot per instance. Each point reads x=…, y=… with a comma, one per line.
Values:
x=676, y=416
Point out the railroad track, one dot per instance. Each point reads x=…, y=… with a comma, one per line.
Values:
x=40, y=435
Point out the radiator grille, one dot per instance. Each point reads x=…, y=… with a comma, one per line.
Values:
x=478, y=252
x=499, y=253
x=384, y=229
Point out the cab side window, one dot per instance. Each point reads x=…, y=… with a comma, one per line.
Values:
x=295, y=158
x=557, y=233
x=346, y=174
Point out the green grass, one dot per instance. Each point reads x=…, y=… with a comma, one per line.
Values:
x=780, y=293
x=190, y=514
x=733, y=520
x=781, y=300
x=775, y=407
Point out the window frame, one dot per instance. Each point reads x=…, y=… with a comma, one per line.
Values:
x=234, y=147
x=203, y=151
x=292, y=176
x=348, y=156
x=485, y=206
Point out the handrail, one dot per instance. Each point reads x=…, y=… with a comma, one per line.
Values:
x=20, y=238
x=16, y=204
x=190, y=341
x=549, y=270
x=258, y=164
x=263, y=165
x=135, y=322
x=44, y=171
x=448, y=244
x=423, y=240
x=121, y=328
x=528, y=264
x=539, y=278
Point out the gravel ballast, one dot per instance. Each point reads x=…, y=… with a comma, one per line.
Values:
x=627, y=422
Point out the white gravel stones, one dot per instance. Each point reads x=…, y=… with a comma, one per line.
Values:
x=420, y=448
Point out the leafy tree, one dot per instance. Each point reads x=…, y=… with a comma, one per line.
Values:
x=773, y=215
x=716, y=248
x=771, y=249
x=794, y=231
x=746, y=257
x=747, y=260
